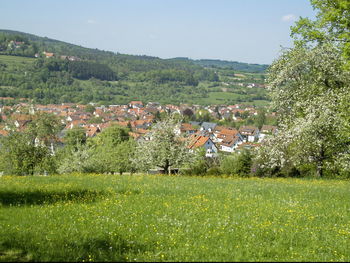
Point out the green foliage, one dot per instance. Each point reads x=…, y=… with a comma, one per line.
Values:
x=239, y=164
x=164, y=76
x=44, y=128
x=31, y=151
x=87, y=70
x=117, y=159
x=111, y=151
x=111, y=136
x=331, y=25
x=75, y=137
x=244, y=67
x=90, y=108
x=200, y=165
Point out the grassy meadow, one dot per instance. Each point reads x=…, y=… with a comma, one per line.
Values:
x=173, y=218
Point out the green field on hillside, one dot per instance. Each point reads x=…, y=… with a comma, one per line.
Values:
x=171, y=218
x=15, y=59
x=227, y=98
x=15, y=64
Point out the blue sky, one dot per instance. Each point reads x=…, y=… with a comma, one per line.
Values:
x=250, y=31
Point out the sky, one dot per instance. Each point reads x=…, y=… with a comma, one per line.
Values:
x=252, y=31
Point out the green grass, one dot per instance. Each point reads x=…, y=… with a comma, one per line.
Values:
x=217, y=98
x=169, y=218
x=15, y=59
x=229, y=98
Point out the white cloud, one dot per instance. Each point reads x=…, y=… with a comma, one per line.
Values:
x=91, y=22
x=289, y=18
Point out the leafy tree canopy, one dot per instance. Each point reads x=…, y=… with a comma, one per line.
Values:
x=331, y=25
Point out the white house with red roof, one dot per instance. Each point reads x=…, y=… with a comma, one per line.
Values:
x=198, y=141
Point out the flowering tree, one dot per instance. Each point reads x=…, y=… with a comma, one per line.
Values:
x=309, y=87
x=165, y=148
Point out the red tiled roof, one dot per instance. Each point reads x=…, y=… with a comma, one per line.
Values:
x=135, y=102
x=135, y=135
x=92, y=131
x=4, y=132
x=197, y=141
x=228, y=132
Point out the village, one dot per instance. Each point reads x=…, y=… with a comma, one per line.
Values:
x=139, y=118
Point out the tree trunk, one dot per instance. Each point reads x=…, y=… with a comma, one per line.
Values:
x=319, y=163
x=319, y=169
x=166, y=167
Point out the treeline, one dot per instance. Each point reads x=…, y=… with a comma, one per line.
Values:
x=83, y=70
x=238, y=66
x=164, y=76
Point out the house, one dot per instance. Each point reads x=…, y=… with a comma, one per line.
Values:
x=135, y=135
x=91, y=131
x=75, y=123
x=208, y=126
x=247, y=146
x=198, y=141
x=15, y=44
x=225, y=130
x=225, y=134
x=187, y=129
x=195, y=123
x=141, y=124
x=230, y=144
x=249, y=133
x=21, y=124
x=21, y=120
x=136, y=104
x=3, y=132
x=267, y=130
x=48, y=54
x=155, y=105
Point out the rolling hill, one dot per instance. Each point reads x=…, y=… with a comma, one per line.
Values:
x=51, y=71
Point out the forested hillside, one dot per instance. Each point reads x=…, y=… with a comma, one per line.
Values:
x=52, y=71
x=245, y=67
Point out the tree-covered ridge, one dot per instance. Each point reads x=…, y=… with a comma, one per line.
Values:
x=121, y=62
x=234, y=65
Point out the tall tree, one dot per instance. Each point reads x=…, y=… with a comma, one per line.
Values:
x=310, y=88
x=113, y=151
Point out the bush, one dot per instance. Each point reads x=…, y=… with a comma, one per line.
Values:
x=237, y=164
